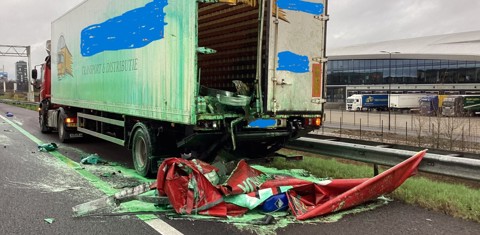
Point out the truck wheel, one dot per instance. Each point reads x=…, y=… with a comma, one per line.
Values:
x=42, y=118
x=62, y=133
x=142, y=150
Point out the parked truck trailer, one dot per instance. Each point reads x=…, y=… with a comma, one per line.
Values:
x=404, y=102
x=186, y=77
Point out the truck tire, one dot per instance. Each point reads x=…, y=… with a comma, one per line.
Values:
x=142, y=150
x=43, y=116
x=42, y=120
x=62, y=133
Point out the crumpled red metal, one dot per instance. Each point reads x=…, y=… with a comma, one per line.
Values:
x=314, y=200
x=189, y=190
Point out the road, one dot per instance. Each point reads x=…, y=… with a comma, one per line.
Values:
x=36, y=186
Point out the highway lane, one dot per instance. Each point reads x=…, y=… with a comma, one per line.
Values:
x=36, y=186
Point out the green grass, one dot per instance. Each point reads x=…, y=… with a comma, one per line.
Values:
x=33, y=107
x=456, y=200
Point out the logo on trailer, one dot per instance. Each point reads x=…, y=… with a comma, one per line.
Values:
x=64, y=59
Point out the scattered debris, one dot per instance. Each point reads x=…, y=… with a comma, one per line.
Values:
x=47, y=147
x=9, y=114
x=49, y=220
x=125, y=195
x=191, y=188
x=108, y=174
x=92, y=159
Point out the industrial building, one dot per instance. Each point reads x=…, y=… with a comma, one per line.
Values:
x=441, y=64
x=21, y=72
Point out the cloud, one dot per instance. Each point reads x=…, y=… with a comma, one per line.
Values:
x=27, y=22
x=357, y=22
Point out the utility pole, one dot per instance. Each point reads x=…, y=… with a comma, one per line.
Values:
x=389, y=80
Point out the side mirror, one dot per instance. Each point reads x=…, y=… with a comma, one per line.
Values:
x=34, y=73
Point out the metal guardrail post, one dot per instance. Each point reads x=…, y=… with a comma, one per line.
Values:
x=465, y=168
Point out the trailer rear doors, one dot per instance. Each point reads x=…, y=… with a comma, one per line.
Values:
x=296, y=48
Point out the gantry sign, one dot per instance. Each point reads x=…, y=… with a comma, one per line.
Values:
x=19, y=51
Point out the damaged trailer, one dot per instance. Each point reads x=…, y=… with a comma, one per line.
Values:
x=191, y=78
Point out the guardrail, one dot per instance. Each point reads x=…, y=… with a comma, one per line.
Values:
x=465, y=168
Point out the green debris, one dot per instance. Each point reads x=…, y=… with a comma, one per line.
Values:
x=92, y=159
x=49, y=220
x=108, y=174
x=47, y=147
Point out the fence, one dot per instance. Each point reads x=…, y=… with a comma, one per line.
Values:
x=448, y=133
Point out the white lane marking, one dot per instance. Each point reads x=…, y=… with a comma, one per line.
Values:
x=162, y=227
x=157, y=224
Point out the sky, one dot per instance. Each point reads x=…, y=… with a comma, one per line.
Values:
x=352, y=22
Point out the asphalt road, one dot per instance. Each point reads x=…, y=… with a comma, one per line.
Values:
x=35, y=186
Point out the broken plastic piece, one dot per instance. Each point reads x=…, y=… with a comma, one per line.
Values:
x=49, y=220
x=47, y=147
x=92, y=159
x=275, y=203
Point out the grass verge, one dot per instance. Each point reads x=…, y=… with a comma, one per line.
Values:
x=456, y=200
x=33, y=107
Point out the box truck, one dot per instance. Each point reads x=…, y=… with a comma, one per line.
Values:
x=461, y=105
x=186, y=77
x=359, y=102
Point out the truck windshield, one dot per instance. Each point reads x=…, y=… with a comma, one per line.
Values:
x=447, y=103
x=424, y=103
x=350, y=100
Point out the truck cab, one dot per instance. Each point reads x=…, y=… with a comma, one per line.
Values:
x=428, y=105
x=354, y=103
x=452, y=106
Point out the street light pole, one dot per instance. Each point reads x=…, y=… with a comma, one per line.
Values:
x=389, y=80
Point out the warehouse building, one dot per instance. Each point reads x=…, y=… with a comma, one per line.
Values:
x=442, y=64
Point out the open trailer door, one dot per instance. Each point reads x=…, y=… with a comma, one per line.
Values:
x=296, y=47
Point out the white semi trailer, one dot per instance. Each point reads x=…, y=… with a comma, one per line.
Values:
x=404, y=102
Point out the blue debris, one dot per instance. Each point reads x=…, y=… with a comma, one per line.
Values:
x=9, y=114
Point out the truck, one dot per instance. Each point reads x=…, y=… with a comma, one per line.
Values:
x=428, y=105
x=461, y=105
x=186, y=78
x=431, y=105
x=404, y=102
x=359, y=102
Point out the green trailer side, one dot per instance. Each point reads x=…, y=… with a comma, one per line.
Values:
x=187, y=77
x=157, y=81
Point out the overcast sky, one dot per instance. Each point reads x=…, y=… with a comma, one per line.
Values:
x=27, y=22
